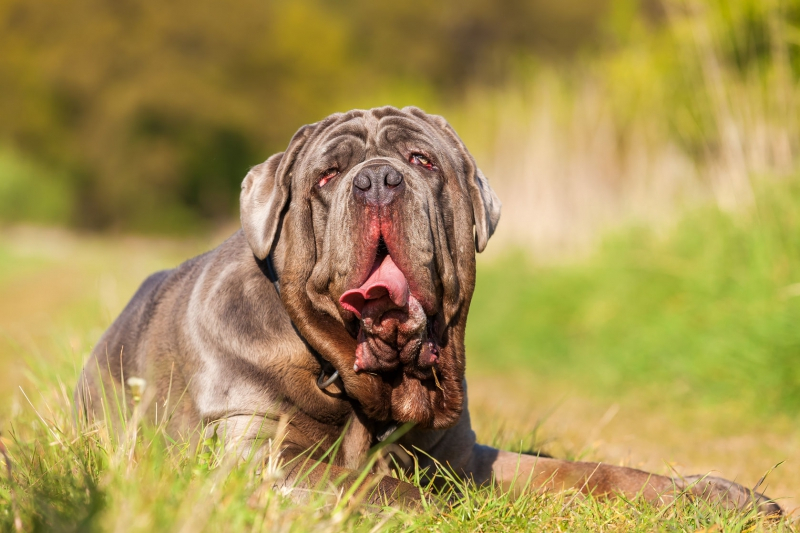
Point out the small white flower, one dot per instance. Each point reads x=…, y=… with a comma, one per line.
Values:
x=137, y=386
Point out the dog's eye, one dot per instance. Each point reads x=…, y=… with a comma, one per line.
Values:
x=421, y=160
x=327, y=176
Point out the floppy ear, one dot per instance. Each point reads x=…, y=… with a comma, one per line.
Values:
x=485, y=203
x=485, y=207
x=265, y=192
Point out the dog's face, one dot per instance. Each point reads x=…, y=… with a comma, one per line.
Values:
x=374, y=214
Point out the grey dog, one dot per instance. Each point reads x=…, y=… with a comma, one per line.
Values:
x=340, y=308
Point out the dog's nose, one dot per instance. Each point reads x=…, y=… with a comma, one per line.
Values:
x=378, y=184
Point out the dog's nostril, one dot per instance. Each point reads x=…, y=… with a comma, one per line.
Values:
x=393, y=178
x=362, y=182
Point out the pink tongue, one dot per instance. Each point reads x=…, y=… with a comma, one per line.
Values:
x=385, y=280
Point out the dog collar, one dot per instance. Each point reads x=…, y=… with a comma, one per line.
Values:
x=323, y=383
x=386, y=430
x=272, y=274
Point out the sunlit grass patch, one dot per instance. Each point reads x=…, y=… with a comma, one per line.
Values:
x=700, y=320
x=706, y=312
x=94, y=479
x=139, y=479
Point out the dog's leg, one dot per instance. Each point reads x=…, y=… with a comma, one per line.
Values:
x=523, y=472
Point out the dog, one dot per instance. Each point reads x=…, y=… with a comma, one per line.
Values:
x=337, y=313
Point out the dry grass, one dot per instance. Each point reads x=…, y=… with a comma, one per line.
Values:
x=666, y=122
x=60, y=290
x=636, y=431
x=143, y=486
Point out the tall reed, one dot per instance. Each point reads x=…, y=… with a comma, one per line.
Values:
x=670, y=117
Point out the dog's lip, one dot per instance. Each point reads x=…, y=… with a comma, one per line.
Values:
x=379, y=248
x=385, y=280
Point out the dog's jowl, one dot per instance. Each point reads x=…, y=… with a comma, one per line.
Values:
x=338, y=311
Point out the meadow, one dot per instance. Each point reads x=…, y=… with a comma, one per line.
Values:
x=639, y=304
x=670, y=352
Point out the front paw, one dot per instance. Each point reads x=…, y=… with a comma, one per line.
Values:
x=730, y=495
x=395, y=492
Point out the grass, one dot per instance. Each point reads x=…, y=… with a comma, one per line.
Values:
x=672, y=348
x=707, y=312
x=668, y=352
x=65, y=481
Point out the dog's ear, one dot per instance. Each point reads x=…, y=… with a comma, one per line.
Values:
x=485, y=207
x=485, y=203
x=265, y=192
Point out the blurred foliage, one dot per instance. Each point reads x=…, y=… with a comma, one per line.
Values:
x=151, y=114
x=33, y=194
x=146, y=116
x=680, y=61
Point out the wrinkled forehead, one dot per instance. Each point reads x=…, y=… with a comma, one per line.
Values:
x=375, y=129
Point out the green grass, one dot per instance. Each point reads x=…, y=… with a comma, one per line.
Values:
x=95, y=481
x=691, y=333
x=710, y=311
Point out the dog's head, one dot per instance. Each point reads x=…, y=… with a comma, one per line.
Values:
x=371, y=214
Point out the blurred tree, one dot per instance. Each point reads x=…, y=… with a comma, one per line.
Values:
x=151, y=113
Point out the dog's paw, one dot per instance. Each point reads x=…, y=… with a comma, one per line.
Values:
x=394, y=492
x=730, y=495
